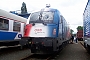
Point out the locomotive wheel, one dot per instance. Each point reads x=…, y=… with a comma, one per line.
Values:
x=33, y=50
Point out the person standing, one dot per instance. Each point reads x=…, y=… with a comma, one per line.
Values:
x=76, y=40
x=72, y=38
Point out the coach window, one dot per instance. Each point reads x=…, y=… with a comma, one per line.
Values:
x=16, y=26
x=4, y=24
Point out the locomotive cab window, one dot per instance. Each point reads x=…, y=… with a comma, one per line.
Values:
x=4, y=24
x=34, y=16
x=43, y=17
x=47, y=16
x=16, y=26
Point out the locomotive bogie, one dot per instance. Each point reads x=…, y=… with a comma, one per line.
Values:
x=44, y=44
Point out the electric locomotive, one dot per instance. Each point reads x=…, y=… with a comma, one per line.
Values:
x=47, y=29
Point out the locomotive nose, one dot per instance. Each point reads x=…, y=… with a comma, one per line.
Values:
x=27, y=30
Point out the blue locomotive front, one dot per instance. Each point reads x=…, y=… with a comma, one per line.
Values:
x=45, y=30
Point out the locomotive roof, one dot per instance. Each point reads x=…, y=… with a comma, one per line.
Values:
x=45, y=9
x=48, y=9
x=5, y=14
x=51, y=9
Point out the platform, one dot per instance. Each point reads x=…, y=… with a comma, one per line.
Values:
x=74, y=52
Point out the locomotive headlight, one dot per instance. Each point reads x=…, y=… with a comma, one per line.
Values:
x=54, y=31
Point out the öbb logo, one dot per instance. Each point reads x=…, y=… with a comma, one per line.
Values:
x=38, y=30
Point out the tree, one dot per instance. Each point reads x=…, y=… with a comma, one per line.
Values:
x=80, y=28
x=71, y=31
x=23, y=8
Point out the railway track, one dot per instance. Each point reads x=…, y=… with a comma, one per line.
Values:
x=47, y=56
x=42, y=56
x=38, y=57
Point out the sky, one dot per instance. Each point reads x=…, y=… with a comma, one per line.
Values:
x=72, y=10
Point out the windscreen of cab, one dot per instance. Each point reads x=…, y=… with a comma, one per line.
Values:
x=42, y=17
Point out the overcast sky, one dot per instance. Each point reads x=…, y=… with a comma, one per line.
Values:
x=72, y=10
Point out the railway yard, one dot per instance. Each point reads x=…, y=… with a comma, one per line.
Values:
x=45, y=34
x=69, y=52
